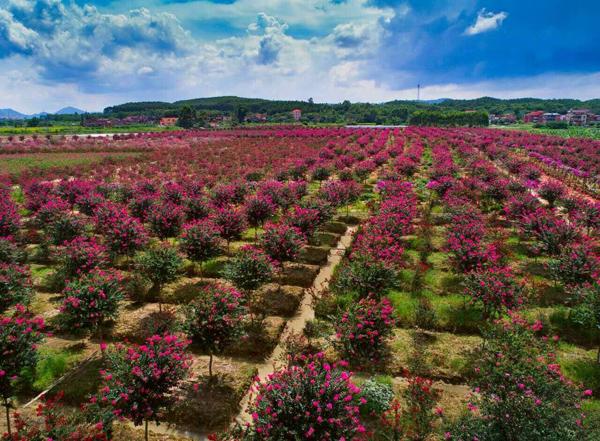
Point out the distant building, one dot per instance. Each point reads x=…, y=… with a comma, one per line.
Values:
x=534, y=117
x=580, y=117
x=551, y=117
x=256, y=117
x=168, y=122
x=507, y=118
x=297, y=114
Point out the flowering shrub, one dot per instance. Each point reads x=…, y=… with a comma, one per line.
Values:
x=10, y=251
x=50, y=211
x=496, y=289
x=550, y=232
x=231, y=222
x=551, y=191
x=141, y=204
x=249, y=269
x=197, y=206
x=575, y=265
x=315, y=401
x=304, y=219
x=323, y=207
x=589, y=216
x=20, y=334
x=91, y=300
x=80, y=256
x=421, y=398
x=362, y=329
x=10, y=221
x=200, y=240
x=339, y=193
x=15, y=286
x=159, y=265
x=139, y=380
x=258, y=209
x=89, y=202
x=281, y=241
x=123, y=234
x=214, y=319
x=165, y=219
x=520, y=390
x=65, y=227
x=363, y=276
x=57, y=423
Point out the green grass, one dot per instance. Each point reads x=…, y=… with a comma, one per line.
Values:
x=452, y=312
x=17, y=163
x=570, y=132
x=76, y=129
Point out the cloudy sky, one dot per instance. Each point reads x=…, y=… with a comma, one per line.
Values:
x=95, y=53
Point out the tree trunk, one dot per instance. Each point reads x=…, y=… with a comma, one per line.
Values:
x=146, y=430
x=7, y=407
x=210, y=362
x=598, y=356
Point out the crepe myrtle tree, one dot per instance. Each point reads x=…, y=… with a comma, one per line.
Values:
x=200, y=240
x=139, y=380
x=160, y=266
x=91, y=300
x=15, y=286
x=214, y=319
x=314, y=400
x=231, y=222
x=20, y=335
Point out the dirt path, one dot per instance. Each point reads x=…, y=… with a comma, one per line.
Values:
x=304, y=314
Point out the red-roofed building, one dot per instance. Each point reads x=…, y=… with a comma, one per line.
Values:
x=534, y=117
x=297, y=114
x=168, y=121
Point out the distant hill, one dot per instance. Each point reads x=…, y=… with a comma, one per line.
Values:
x=70, y=111
x=11, y=114
x=221, y=104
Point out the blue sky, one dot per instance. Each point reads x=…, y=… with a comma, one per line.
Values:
x=92, y=54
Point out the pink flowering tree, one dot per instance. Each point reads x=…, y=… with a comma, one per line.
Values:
x=231, y=222
x=90, y=301
x=10, y=221
x=20, y=335
x=80, y=256
x=214, y=320
x=362, y=329
x=496, y=289
x=165, y=219
x=249, y=269
x=200, y=240
x=160, y=266
x=258, y=209
x=575, y=265
x=123, y=234
x=55, y=421
x=307, y=220
x=281, y=241
x=140, y=381
x=15, y=286
x=315, y=401
x=521, y=392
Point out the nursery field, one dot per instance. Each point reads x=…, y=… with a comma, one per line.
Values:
x=301, y=283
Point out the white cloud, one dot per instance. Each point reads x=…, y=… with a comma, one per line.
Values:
x=486, y=21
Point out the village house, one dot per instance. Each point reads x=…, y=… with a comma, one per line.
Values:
x=297, y=114
x=168, y=121
x=507, y=118
x=580, y=117
x=535, y=117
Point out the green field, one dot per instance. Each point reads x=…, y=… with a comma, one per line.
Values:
x=16, y=163
x=570, y=132
x=76, y=129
